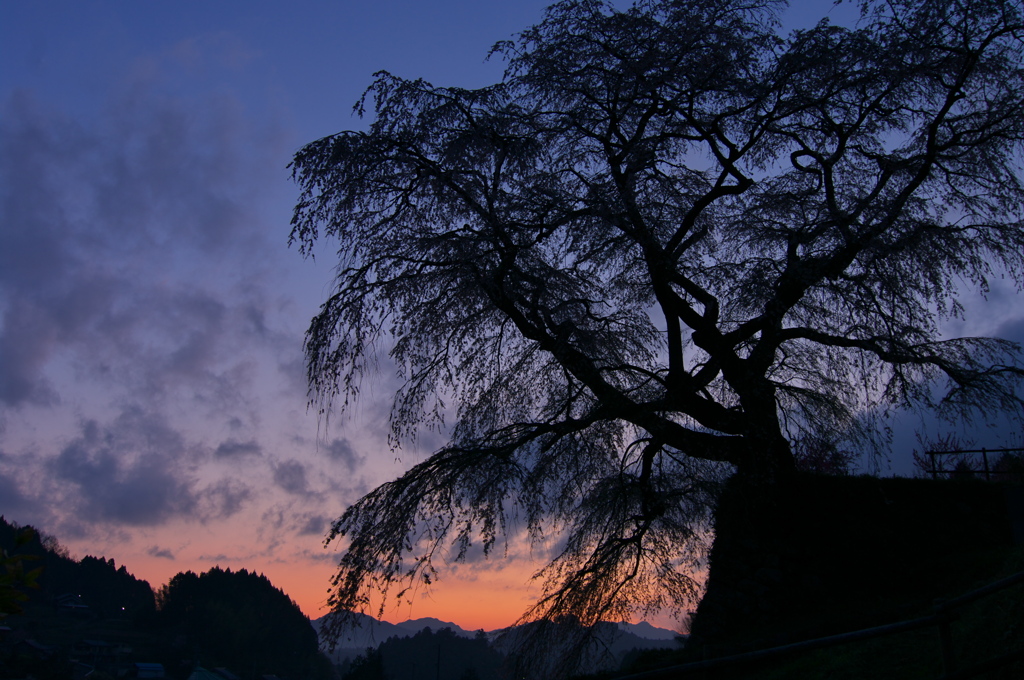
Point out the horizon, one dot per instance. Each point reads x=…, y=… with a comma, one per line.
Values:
x=153, y=403
x=43, y=534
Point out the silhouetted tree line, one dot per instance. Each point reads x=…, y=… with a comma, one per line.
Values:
x=443, y=655
x=234, y=619
x=107, y=590
x=239, y=620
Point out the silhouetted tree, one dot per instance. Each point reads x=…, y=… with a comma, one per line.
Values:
x=428, y=654
x=108, y=590
x=368, y=666
x=1009, y=467
x=948, y=443
x=238, y=619
x=670, y=240
x=824, y=454
x=15, y=578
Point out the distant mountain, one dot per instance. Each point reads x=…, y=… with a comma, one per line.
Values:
x=369, y=633
x=441, y=654
x=543, y=646
x=630, y=637
x=648, y=632
x=416, y=625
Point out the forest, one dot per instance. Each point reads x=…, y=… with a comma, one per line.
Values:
x=91, y=615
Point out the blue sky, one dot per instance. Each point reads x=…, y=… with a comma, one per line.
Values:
x=152, y=403
x=152, y=397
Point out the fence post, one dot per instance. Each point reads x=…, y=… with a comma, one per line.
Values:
x=984, y=457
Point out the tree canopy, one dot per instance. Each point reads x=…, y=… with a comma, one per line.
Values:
x=240, y=620
x=670, y=243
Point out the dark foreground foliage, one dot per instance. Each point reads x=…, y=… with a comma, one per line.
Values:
x=239, y=620
x=98, y=614
x=108, y=590
x=442, y=654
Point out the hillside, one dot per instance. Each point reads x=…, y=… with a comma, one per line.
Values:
x=93, y=586
x=831, y=555
x=981, y=631
x=91, y=616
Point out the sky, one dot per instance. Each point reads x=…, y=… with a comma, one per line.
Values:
x=152, y=388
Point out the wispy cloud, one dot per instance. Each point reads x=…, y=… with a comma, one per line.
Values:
x=234, y=449
x=312, y=525
x=340, y=450
x=163, y=553
x=291, y=476
x=127, y=471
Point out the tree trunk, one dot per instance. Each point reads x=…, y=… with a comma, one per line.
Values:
x=769, y=458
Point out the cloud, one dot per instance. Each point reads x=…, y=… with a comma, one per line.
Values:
x=224, y=499
x=138, y=266
x=11, y=498
x=291, y=476
x=1012, y=329
x=150, y=331
x=134, y=242
x=25, y=346
x=236, y=449
x=312, y=525
x=129, y=472
x=164, y=553
x=340, y=450
x=319, y=556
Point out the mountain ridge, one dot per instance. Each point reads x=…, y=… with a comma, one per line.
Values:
x=409, y=627
x=370, y=633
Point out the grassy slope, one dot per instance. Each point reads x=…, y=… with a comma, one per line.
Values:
x=986, y=628
x=909, y=542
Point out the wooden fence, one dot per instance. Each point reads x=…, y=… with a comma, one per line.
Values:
x=986, y=468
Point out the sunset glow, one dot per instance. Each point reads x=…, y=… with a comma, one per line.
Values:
x=153, y=397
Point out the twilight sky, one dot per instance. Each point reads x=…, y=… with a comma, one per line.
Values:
x=152, y=396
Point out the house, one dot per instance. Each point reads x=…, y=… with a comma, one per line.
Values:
x=69, y=603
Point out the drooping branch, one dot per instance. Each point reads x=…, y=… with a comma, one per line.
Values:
x=667, y=245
